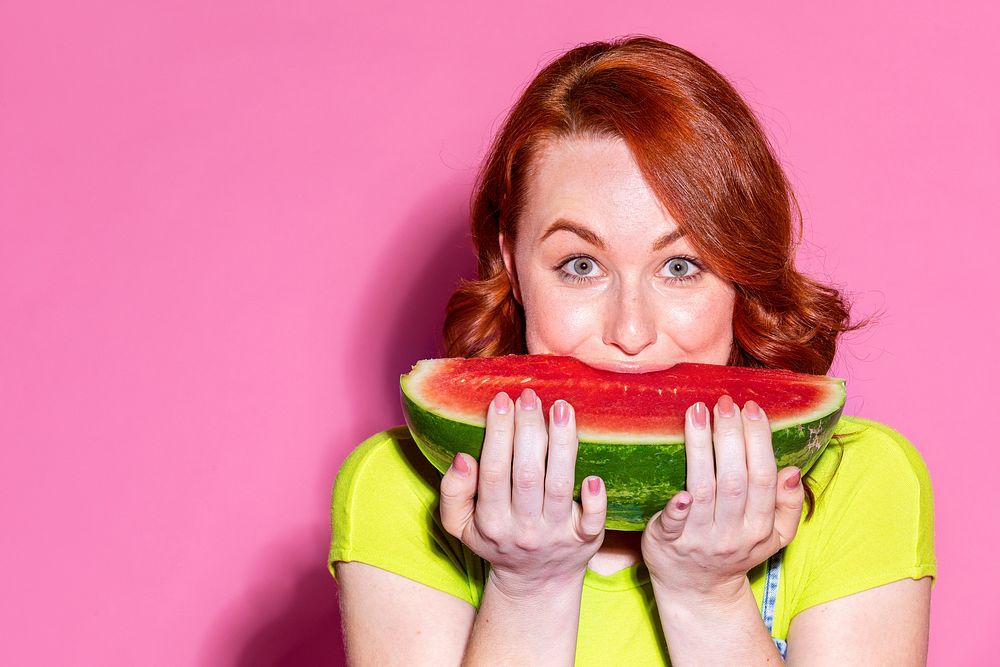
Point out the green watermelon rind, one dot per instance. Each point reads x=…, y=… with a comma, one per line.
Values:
x=640, y=478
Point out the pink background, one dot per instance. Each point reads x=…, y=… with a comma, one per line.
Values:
x=227, y=227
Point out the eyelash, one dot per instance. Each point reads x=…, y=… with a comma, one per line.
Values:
x=573, y=278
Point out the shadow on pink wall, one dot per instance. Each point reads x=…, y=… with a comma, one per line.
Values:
x=290, y=614
x=404, y=304
x=305, y=632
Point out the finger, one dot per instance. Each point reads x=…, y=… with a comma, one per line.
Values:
x=788, y=508
x=593, y=508
x=458, y=491
x=560, y=468
x=730, y=466
x=494, y=461
x=527, y=475
x=762, y=471
x=670, y=522
x=700, y=465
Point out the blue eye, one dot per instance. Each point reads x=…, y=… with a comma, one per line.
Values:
x=679, y=267
x=581, y=266
x=579, y=270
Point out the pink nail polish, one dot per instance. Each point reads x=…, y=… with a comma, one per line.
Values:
x=793, y=481
x=726, y=406
x=752, y=411
x=681, y=505
x=699, y=415
x=529, y=401
x=460, y=465
x=502, y=403
x=594, y=485
x=560, y=413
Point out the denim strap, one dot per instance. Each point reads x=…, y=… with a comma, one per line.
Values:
x=771, y=598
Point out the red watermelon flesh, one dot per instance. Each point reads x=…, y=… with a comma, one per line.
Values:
x=632, y=407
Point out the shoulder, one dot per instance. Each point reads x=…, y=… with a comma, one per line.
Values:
x=383, y=493
x=866, y=452
x=385, y=513
x=874, y=517
x=381, y=450
x=871, y=438
x=387, y=463
x=873, y=497
x=377, y=445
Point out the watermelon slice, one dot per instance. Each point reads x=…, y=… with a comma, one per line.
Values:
x=630, y=425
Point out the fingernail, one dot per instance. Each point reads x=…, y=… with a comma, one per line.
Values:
x=699, y=415
x=460, y=465
x=502, y=403
x=793, y=481
x=681, y=505
x=528, y=400
x=560, y=412
x=594, y=485
x=726, y=407
x=752, y=410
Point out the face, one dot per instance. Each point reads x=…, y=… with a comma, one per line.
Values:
x=601, y=271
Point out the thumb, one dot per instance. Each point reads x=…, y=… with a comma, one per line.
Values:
x=594, y=508
x=788, y=504
x=458, y=492
x=668, y=524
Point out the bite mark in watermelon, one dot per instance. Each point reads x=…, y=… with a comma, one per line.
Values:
x=630, y=425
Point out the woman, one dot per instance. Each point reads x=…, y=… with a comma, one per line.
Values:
x=631, y=214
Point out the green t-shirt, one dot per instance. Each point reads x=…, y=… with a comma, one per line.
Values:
x=873, y=524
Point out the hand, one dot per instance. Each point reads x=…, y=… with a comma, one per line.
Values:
x=742, y=511
x=525, y=521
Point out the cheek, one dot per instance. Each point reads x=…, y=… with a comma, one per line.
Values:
x=703, y=324
x=556, y=323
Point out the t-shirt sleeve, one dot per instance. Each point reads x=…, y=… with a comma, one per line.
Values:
x=875, y=519
x=384, y=512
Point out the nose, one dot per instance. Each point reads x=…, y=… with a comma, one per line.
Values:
x=630, y=322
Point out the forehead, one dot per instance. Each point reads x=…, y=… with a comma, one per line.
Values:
x=595, y=182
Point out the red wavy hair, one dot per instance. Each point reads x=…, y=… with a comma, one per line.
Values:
x=703, y=153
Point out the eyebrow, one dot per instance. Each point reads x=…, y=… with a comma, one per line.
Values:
x=595, y=240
